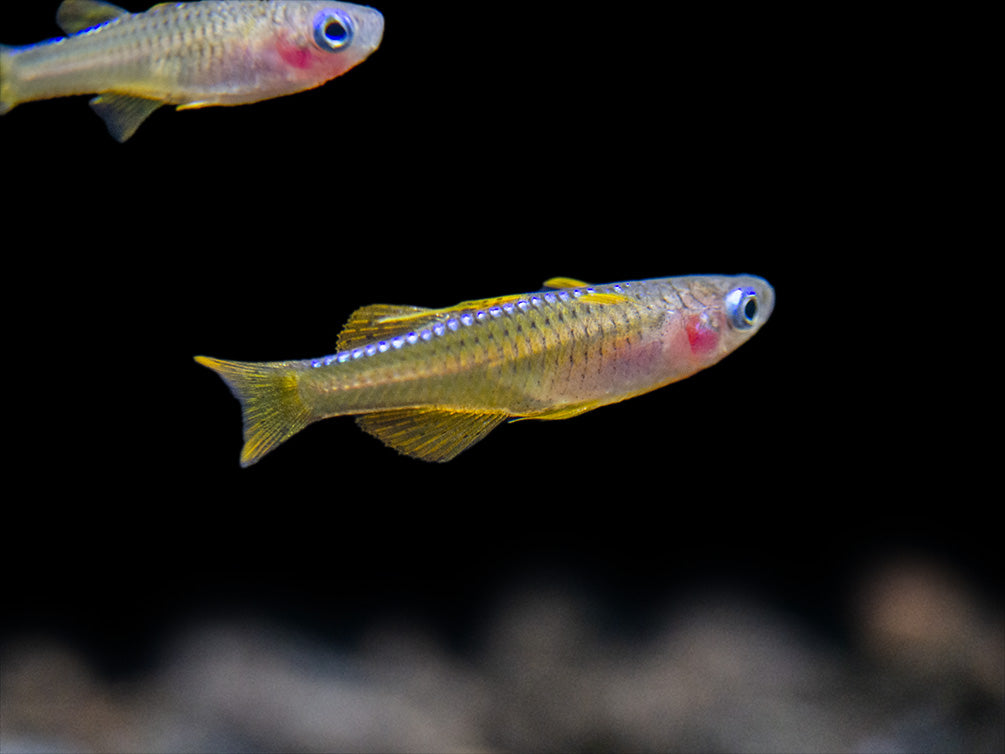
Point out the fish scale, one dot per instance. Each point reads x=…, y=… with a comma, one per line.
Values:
x=432, y=382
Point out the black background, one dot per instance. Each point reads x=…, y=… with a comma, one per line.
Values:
x=482, y=149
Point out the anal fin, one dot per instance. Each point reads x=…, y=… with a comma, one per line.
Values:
x=429, y=434
x=123, y=113
x=563, y=412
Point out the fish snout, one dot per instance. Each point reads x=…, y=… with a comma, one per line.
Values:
x=371, y=28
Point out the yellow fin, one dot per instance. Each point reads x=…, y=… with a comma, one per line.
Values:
x=593, y=297
x=270, y=402
x=603, y=298
x=377, y=322
x=563, y=412
x=565, y=283
x=430, y=434
x=485, y=303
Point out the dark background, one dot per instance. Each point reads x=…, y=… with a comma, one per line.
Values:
x=482, y=149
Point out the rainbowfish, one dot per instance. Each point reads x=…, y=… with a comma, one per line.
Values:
x=196, y=54
x=432, y=382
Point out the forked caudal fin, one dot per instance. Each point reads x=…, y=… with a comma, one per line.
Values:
x=271, y=404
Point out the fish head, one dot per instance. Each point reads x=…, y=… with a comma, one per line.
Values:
x=722, y=313
x=321, y=40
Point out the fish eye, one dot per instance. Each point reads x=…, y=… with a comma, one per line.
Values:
x=332, y=30
x=741, y=305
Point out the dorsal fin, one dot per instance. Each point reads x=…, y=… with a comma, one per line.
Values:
x=378, y=322
x=556, y=283
x=590, y=297
x=78, y=15
x=430, y=434
x=485, y=303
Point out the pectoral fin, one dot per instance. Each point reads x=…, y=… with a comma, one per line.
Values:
x=429, y=434
x=122, y=113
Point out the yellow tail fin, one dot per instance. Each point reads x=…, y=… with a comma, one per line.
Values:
x=270, y=401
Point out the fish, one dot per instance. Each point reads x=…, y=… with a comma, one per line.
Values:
x=191, y=55
x=431, y=383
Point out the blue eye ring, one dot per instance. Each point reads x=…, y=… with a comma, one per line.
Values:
x=333, y=30
x=741, y=305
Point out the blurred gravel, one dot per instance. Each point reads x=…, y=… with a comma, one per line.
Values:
x=921, y=669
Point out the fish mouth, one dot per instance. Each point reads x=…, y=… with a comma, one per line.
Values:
x=372, y=23
x=768, y=298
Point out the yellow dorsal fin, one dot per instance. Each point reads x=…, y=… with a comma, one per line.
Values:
x=603, y=298
x=484, y=303
x=378, y=322
x=430, y=434
x=565, y=283
x=78, y=15
x=591, y=297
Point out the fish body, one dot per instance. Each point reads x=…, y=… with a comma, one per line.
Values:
x=194, y=54
x=432, y=382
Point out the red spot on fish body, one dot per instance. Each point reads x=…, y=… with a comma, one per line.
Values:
x=702, y=335
x=295, y=55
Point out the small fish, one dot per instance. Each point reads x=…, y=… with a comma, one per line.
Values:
x=196, y=54
x=432, y=382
